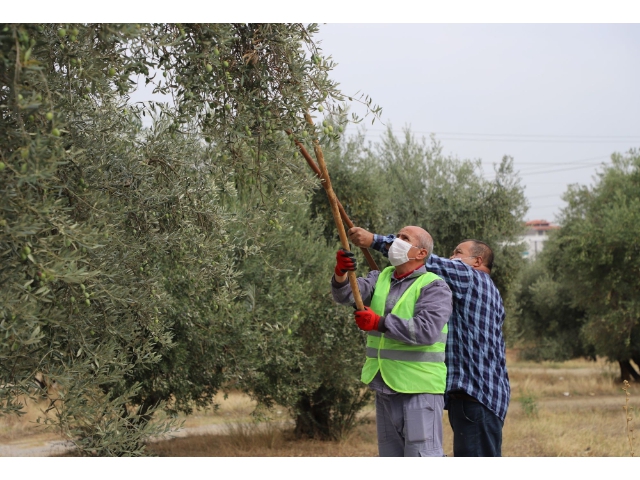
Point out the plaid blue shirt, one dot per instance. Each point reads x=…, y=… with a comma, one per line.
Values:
x=475, y=354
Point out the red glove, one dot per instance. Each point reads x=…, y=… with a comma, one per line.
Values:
x=367, y=319
x=345, y=261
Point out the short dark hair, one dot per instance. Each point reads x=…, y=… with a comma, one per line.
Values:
x=481, y=249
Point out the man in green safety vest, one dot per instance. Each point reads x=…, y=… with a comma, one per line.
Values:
x=405, y=318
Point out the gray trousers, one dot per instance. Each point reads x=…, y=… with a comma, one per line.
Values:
x=409, y=425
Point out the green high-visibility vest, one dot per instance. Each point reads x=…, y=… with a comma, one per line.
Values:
x=405, y=368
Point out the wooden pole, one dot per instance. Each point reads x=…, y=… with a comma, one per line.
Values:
x=367, y=255
x=333, y=201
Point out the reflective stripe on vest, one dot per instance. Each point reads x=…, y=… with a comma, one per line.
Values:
x=406, y=368
x=406, y=356
x=442, y=338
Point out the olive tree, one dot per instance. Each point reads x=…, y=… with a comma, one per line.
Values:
x=400, y=181
x=301, y=350
x=122, y=242
x=546, y=322
x=594, y=257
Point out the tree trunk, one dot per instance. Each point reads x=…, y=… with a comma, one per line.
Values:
x=627, y=372
x=637, y=362
x=314, y=416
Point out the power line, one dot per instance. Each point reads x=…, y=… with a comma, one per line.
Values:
x=545, y=196
x=524, y=135
x=551, y=171
x=543, y=164
x=506, y=140
x=547, y=165
x=559, y=170
x=546, y=206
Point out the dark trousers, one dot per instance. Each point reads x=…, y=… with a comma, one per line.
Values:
x=477, y=431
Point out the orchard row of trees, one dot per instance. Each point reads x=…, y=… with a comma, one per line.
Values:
x=122, y=247
x=155, y=254
x=581, y=296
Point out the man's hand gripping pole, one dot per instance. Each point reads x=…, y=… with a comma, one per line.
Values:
x=333, y=201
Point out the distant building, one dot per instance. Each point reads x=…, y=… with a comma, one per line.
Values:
x=536, y=234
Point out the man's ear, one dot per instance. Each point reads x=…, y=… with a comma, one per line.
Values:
x=477, y=262
x=421, y=254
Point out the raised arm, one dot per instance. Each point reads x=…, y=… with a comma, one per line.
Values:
x=365, y=239
x=458, y=275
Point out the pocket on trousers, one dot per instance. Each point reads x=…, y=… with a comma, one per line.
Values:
x=472, y=411
x=420, y=424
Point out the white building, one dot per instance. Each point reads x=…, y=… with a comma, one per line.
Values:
x=536, y=234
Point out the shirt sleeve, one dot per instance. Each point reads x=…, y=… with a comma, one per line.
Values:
x=457, y=274
x=431, y=312
x=342, y=291
x=382, y=243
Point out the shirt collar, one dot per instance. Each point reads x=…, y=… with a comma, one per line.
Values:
x=418, y=271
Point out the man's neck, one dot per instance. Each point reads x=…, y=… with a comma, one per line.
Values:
x=483, y=269
x=405, y=272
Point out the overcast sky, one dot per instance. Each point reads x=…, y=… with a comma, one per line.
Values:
x=558, y=98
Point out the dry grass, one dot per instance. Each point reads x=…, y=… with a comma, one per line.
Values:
x=583, y=431
x=233, y=406
x=16, y=428
x=272, y=441
x=579, y=413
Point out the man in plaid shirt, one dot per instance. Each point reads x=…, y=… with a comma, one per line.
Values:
x=478, y=389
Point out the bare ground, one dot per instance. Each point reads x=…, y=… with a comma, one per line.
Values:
x=578, y=413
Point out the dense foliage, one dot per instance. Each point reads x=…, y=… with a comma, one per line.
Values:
x=586, y=291
x=153, y=253
x=123, y=224
x=403, y=181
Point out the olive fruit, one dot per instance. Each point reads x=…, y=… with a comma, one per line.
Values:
x=209, y=68
x=49, y=116
x=55, y=132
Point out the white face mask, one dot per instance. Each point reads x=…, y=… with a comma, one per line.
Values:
x=398, y=252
